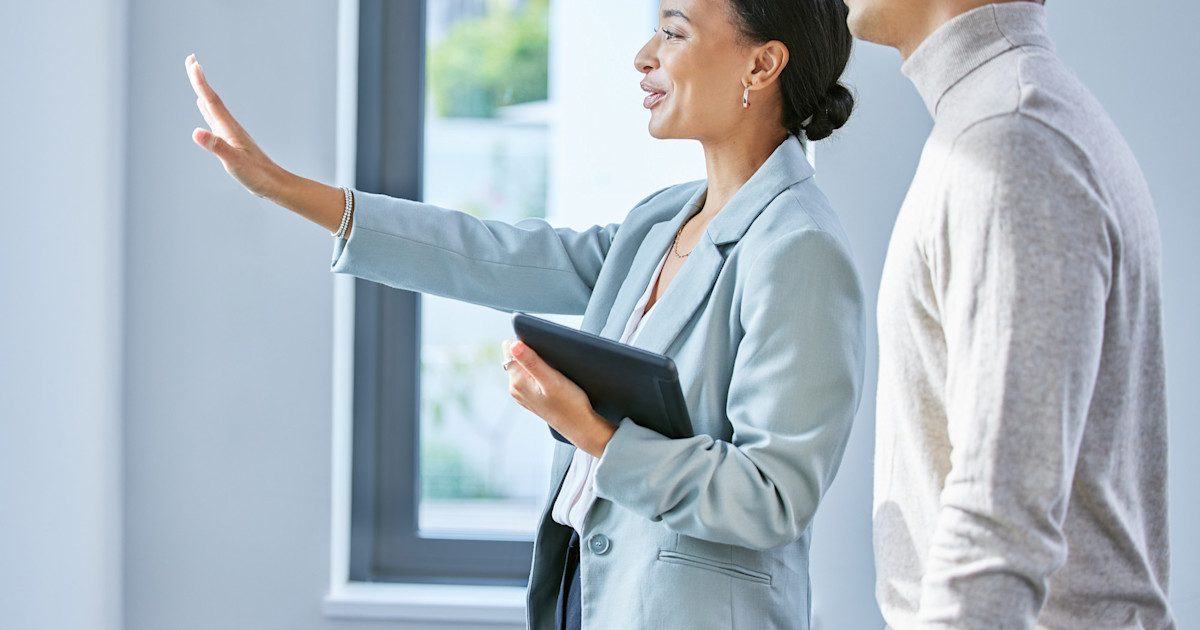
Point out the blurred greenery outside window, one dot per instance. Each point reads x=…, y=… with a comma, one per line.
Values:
x=491, y=61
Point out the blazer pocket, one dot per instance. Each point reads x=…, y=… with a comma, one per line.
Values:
x=708, y=564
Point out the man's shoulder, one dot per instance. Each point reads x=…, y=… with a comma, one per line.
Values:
x=1014, y=145
x=1029, y=100
x=1014, y=170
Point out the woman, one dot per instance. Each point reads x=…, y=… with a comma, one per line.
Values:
x=744, y=279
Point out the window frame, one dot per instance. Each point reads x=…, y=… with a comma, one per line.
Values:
x=385, y=542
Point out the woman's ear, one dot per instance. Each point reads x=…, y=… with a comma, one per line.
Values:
x=768, y=63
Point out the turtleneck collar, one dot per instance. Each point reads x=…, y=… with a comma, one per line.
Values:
x=970, y=40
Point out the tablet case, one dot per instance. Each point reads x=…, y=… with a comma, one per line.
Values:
x=621, y=381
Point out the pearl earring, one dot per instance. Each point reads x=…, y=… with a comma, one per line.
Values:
x=746, y=98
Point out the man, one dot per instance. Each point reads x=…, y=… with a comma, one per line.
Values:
x=1021, y=448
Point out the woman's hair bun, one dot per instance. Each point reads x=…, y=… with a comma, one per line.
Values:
x=819, y=44
x=832, y=111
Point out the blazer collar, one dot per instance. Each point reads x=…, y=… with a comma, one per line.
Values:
x=786, y=166
x=690, y=289
x=968, y=41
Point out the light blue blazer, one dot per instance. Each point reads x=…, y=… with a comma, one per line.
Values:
x=765, y=323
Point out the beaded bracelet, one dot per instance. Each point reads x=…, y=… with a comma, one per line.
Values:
x=341, y=233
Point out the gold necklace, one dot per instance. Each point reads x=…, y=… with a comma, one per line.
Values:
x=675, y=243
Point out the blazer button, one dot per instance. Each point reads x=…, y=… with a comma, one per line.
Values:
x=599, y=544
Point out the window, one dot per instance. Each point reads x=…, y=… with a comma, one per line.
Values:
x=474, y=105
x=449, y=477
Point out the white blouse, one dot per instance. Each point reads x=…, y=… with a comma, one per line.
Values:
x=578, y=491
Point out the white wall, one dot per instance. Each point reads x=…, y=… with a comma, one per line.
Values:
x=61, y=170
x=228, y=325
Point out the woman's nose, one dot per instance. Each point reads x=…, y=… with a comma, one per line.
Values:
x=646, y=60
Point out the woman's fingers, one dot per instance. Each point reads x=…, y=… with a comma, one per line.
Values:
x=539, y=387
x=199, y=82
x=212, y=143
x=202, y=138
x=221, y=127
x=520, y=381
x=218, y=117
x=226, y=139
x=208, y=120
x=532, y=363
x=556, y=399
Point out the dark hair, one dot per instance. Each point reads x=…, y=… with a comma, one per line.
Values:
x=818, y=44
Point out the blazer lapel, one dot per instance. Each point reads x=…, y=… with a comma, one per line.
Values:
x=686, y=294
x=691, y=287
x=654, y=245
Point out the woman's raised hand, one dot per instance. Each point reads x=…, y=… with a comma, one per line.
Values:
x=226, y=139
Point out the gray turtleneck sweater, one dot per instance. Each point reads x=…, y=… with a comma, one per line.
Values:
x=1021, y=453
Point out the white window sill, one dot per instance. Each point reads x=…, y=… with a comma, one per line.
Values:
x=503, y=606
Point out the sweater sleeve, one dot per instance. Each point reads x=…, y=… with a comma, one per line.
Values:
x=1022, y=269
x=795, y=387
x=528, y=266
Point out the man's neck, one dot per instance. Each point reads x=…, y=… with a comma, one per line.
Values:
x=937, y=15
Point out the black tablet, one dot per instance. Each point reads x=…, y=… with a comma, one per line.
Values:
x=621, y=381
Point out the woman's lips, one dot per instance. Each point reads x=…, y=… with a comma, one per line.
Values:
x=653, y=98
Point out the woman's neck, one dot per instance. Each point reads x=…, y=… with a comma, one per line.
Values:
x=731, y=162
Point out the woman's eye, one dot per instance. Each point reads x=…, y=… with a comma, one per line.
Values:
x=667, y=34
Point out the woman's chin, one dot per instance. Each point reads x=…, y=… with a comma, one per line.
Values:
x=659, y=131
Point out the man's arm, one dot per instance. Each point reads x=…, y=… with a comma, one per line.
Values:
x=1023, y=273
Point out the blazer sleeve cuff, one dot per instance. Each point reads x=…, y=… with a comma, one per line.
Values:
x=622, y=474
